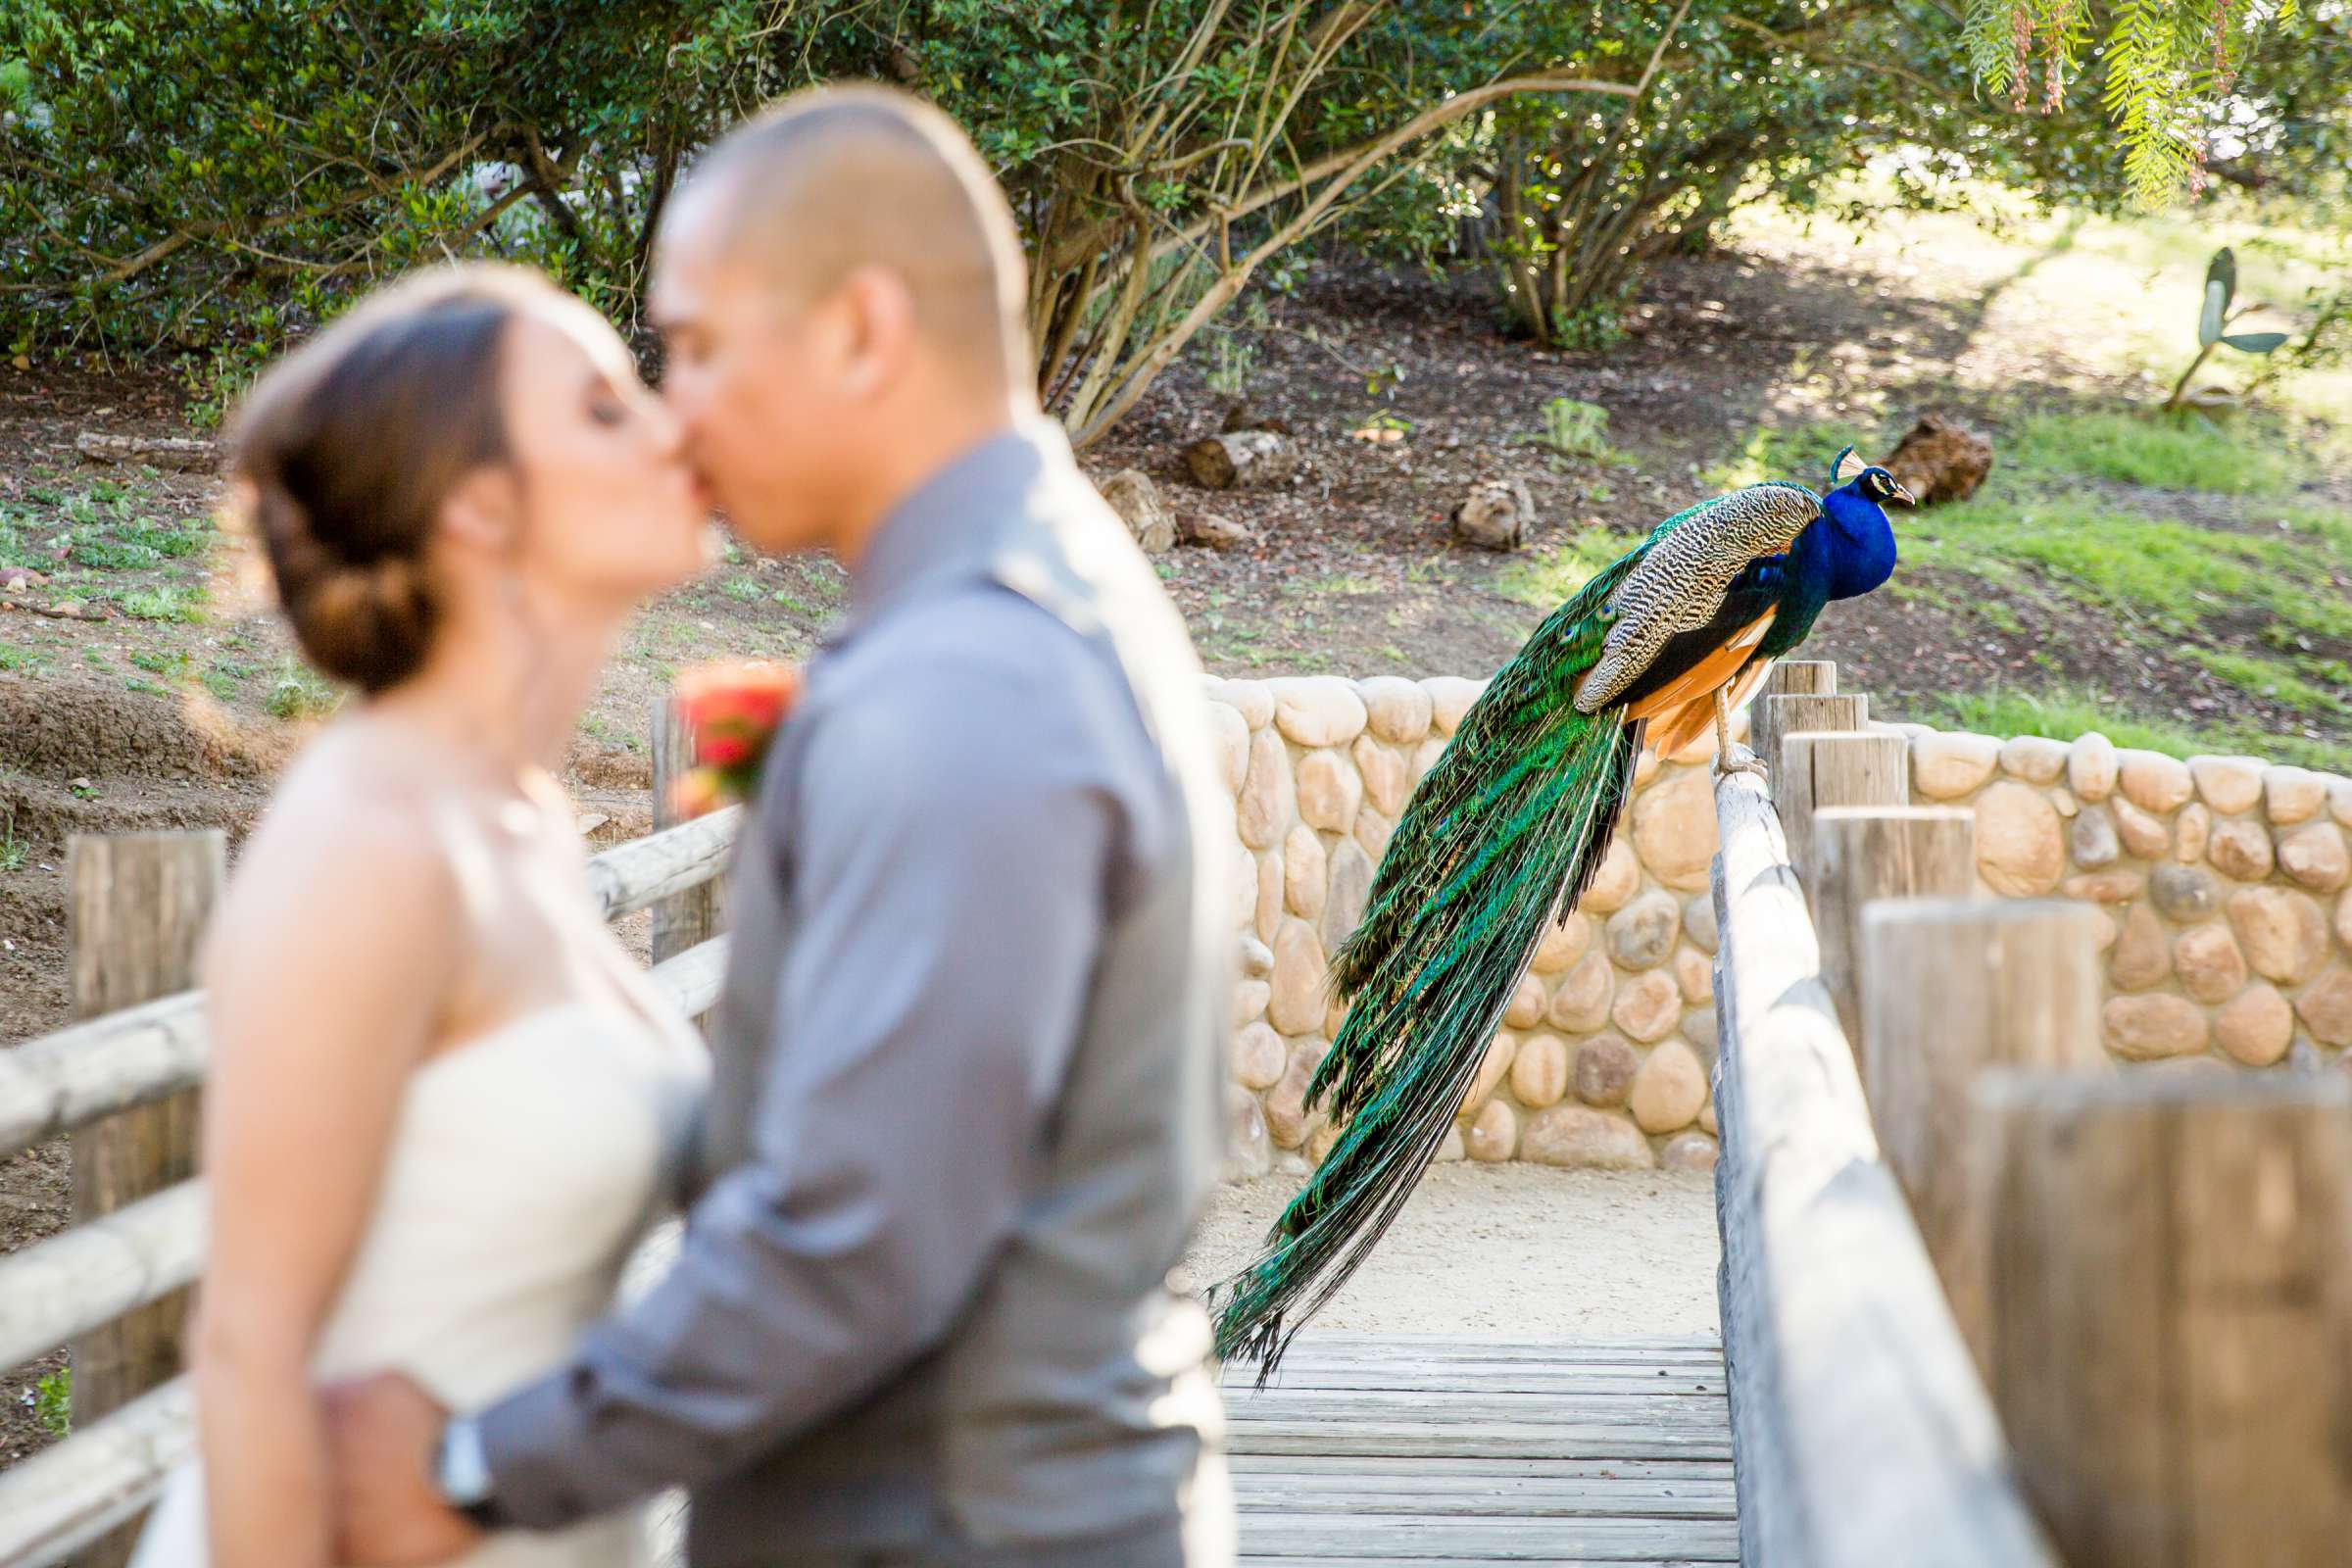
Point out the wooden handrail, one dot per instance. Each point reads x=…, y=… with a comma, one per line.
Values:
x=60, y=1081
x=1861, y=1431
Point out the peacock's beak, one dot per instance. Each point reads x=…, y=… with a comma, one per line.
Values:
x=1903, y=495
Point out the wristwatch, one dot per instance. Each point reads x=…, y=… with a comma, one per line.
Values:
x=461, y=1473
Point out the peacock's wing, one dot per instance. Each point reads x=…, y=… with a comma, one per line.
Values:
x=1679, y=601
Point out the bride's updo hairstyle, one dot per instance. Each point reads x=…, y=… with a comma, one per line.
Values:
x=348, y=447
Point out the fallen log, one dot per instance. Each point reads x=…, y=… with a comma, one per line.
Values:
x=1245, y=460
x=183, y=453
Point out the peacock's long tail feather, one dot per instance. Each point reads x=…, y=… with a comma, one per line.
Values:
x=1500, y=839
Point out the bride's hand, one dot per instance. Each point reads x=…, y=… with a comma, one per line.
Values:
x=381, y=1432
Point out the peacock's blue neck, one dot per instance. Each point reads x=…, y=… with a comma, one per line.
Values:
x=1858, y=542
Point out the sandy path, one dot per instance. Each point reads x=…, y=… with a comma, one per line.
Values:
x=1510, y=1251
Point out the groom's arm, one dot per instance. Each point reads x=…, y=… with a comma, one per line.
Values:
x=953, y=846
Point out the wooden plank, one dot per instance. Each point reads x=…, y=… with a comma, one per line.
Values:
x=1602, y=1496
x=1865, y=1438
x=92, y=1274
x=1863, y=854
x=1391, y=1464
x=1694, y=1382
x=1434, y=1537
x=1835, y=767
x=691, y=917
x=1665, y=1412
x=1533, y=1440
x=63, y=1498
x=1450, y=1561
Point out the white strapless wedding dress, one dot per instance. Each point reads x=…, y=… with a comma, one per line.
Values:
x=525, y=1165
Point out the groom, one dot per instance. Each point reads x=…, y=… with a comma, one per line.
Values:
x=968, y=1052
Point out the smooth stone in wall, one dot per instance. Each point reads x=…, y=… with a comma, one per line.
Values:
x=2184, y=893
x=1397, y=709
x=2142, y=958
x=2105, y=887
x=1698, y=1027
x=2255, y=1026
x=2314, y=855
x=1425, y=757
x=1646, y=768
x=1669, y=1089
x=1249, y=1150
x=1267, y=802
x=1642, y=933
x=2152, y=1027
x=2020, y=850
x=1450, y=1152
x=1233, y=744
x=1244, y=878
x=1350, y=891
x=2092, y=840
x=2340, y=799
x=2293, y=795
x=1674, y=829
x=1617, y=880
x=1373, y=831
x=1329, y=791
x=2282, y=933
x=1563, y=943
x=1698, y=919
x=1695, y=974
x=1287, y=1120
x=1604, y=1070
x=2144, y=837
x=1385, y=784
x=1318, y=710
x=2239, y=849
x=1248, y=698
x=2192, y=831
x=1493, y=1133
x=1269, y=897
x=1256, y=959
x=1319, y=1141
x=2091, y=766
x=1450, y=697
x=1540, y=1072
x=2035, y=759
x=1527, y=1005
x=1581, y=1003
x=1259, y=1057
x=2325, y=1007
x=2227, y=784
x=1249, y=998
x=1693, y=1151
x=1648, y=1007
x=2208, y=962
x=1578, y=1136
x=1335, y=1018
x=2062, y=801
x=2153, y=781
x=2343, y=921
x=1306, y=871
x=1297, y=1006
x=1707, y=1120
x=1501, y=1050
x=1947, y=764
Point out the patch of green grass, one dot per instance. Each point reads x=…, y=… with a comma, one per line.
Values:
x=157, y=662
x=2251, y=457
x=144, y=686
x=300, y=693
x=744, y=589
x=14, y=659
x=163, y=604
x=2067, y=712
x=1351, y=585
x=1547, y=581
x=2272, y=680
x=1799, y=452
x=53, y=1402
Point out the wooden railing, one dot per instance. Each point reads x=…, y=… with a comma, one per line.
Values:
x=1862, y=1433
x=67, y=1496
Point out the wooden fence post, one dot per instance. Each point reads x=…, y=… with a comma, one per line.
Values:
x=690, y=918
x=1952, y=988
x=1865, y=852
x=2172, y=1310
x=1809, y=678
x=136, y=906
x=1835, y=767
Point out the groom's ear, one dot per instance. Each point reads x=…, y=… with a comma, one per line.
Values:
x=879, y=332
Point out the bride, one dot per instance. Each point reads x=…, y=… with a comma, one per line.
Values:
x=444, y=1102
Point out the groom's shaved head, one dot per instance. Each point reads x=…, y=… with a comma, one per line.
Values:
x=842, y=178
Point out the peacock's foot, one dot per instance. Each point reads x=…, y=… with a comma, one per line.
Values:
x=1737, y=758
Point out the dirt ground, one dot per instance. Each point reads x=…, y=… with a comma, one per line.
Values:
x=1512, y=1252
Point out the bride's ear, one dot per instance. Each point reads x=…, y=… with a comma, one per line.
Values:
x=483, y=512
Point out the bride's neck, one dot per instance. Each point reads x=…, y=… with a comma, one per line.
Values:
x=507, y=687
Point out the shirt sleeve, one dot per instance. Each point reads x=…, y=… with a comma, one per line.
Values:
x=952, y=854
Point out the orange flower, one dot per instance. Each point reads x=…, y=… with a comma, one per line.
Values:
x=731, y=712
x=697, y=792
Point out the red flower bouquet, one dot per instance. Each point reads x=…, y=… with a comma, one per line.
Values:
x=731, y=712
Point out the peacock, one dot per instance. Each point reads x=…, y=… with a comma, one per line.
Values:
x=1506, y=831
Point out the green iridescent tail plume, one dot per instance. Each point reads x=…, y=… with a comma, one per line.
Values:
x=1498, y=842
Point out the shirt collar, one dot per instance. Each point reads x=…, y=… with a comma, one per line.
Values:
x=956, y=517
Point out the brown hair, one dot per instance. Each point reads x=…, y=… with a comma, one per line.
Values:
x=348, y=447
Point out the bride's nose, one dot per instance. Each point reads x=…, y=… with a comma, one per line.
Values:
x=666, y=431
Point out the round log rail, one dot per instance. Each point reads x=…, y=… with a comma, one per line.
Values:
x=60, y=1081
x=1862, y=1433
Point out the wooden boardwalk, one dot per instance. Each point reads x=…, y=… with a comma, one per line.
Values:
x=1383, y=1449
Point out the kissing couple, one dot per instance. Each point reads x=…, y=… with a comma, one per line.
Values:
x=961, y=1103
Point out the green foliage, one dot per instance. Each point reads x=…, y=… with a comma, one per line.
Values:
x=53, y=1402
x=171, y=603
x=1545, y=583
x=1576, y=429
x=299, y=692
x=2248, y=458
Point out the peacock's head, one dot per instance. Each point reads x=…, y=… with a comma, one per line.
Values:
x=1871, y=482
